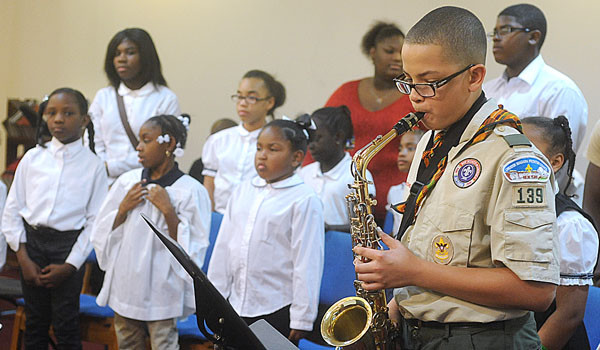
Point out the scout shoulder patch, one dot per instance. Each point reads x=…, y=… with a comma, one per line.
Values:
x=466, y=172
x=442, y=249
x=526, y=169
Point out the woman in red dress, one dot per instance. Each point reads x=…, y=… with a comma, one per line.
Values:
x=376, y=105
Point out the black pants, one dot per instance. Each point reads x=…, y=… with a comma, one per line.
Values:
x=57, y=306
x=515, y=334
x=280, y=320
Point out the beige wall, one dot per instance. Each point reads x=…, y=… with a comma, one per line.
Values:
x=7, y=24
x=205, y=46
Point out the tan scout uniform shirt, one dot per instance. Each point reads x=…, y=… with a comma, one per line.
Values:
x=593, y=151
x=476, y=217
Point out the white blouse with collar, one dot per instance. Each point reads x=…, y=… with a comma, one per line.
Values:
x=269, y=251
x=112, y=143
x=59, y=186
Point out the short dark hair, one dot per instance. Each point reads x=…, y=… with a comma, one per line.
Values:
x=528, y=16
x=558, y=135
x=377, y=33
x=150, y=70
x=457, y=30
x=276, y=89
x=172, y=125
x=335, y=119
x=43, y=133
x=291, y=131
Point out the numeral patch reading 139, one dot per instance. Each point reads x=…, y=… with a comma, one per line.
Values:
x=529, y=196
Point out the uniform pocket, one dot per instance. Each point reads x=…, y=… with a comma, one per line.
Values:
x=450, y=241
x=528, y=235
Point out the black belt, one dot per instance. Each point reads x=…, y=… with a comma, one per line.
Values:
x=48, y=230
x=414, y=323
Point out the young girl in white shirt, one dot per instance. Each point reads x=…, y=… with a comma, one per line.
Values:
x=133, y=69
x=561, y=326
x=406, y=153
x=144, y=284
x=228, y=155
x=330, y=174
x=58, y=188
x=268, y=256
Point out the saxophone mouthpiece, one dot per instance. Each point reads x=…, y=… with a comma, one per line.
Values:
x=408, y=122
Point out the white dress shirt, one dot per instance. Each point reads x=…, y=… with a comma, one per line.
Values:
x=3, y=244
x=332, y=188
x=269, y=251
x=228, y=156
x=143, y=280
x=578, y=242
x=396, y=195
x=61, y=187
x=112, y=143
x=540, y=90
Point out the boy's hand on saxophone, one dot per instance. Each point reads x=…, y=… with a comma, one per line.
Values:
x=391, y=268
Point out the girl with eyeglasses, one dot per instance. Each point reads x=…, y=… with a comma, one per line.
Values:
x=228, y=155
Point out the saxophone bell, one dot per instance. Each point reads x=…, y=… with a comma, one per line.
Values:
x=347, y=322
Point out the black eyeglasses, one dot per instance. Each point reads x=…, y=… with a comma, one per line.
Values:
x=426, y=89
x=505, y=30
x=249, y=99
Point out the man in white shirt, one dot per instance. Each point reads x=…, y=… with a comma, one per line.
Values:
x=529, y=87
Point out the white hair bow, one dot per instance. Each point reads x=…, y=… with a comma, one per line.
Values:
x=303, y=122
x=163, y=138
x=185, y=120
x=178, y=152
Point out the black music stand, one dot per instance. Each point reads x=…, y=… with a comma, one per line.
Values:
x=229, y=330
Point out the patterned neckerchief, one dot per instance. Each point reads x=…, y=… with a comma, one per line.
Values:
x=499, y=116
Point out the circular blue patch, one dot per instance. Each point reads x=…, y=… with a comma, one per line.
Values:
x=466, y=172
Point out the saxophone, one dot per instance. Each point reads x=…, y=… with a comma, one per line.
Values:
x=364, y=317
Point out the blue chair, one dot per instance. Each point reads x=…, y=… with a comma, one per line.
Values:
x=88, y=306
x=338, y=271
x=592, y=317
x=388, y=224
x=215, y=224
x=305, y=344
x=97, y=322
x=188, y=328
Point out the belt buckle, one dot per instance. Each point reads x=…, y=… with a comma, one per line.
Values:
x=415, y=328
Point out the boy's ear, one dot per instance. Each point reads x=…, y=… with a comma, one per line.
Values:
x=476, y=77
x=534, y=37
x=372, y=53
x=297, y=158
x=339, y=138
